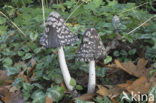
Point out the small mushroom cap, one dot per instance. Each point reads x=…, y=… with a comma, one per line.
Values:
x=116, y=22
x=57, y=34
x=91, y=47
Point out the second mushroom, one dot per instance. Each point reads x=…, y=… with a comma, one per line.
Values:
x=90, y=50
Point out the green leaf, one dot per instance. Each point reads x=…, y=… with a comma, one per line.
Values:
x=101, y=100
x=100, y=72
x=20, y=53
x=116, y=53
x=97, y=3
x=37, y=50
x=2, y=20
x=79, y=87
x=7, y=61
x=132, y=51
x=38, y=97
x=56, y=93
x=81, y=101
x=123, y=52
x=33, y=36
x=27, y=56
x=73, y=82
x=12, y=71
x=108, y=59
x=27, y=88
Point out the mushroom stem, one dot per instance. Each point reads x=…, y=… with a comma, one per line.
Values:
x=64, y=69
x=92, y=79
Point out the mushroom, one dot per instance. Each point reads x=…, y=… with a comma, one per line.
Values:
x=116, y=24
x=90, y=50
x=57, y=35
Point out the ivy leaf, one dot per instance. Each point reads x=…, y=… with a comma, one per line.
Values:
x=81, y=101
x=132, y=51
x=33, y=36
x=12, y=70
x=79, y=87
x=116, y=53
x=56, y=93
x=108, y=59
x=7, y=61
x=73, y=82
x=38, y=97
x=27, y=56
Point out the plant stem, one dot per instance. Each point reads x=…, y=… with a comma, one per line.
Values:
x=92, y=77
x=43, y=13
x=13, y=24
x=64, y=69
x=141, y=25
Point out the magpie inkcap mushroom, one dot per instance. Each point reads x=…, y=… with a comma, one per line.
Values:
x=91, y=49
x=57, y=35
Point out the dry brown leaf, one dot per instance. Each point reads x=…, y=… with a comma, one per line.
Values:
x=153, y=80
x=33, y=62
x=4, y=79
x=110, y=91
x=10, y=97
x=141, y=85
x=135, y=70
x=125, y=85
x=21, y=75
x=87, y=97
x=49, y=100
x=102, y=91
x=13, y=89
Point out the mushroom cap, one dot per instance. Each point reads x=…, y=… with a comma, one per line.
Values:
x=116, y=22
x=91, y=47
x=57, y=34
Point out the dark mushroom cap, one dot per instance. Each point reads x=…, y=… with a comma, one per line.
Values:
x=91, y=47
x=57, y=34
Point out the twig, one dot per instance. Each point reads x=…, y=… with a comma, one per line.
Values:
x=135, y=7
x=141, y=24
x=43, y=13
x=13, y=24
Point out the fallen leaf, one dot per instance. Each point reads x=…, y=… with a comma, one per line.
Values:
x=153, y=80
x=102, y=91
x=135, y=70
x=10, y=97
x=33, y=62
x=49, y=100
x=141, y=85
x=13, y=89
x=21, y=75
x=110, y=91
x=125, y=85
x=4, y=79
x=87, y=97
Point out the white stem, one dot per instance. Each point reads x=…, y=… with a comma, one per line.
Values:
x=92, y=77
x=64, y=69
x=43, y=13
